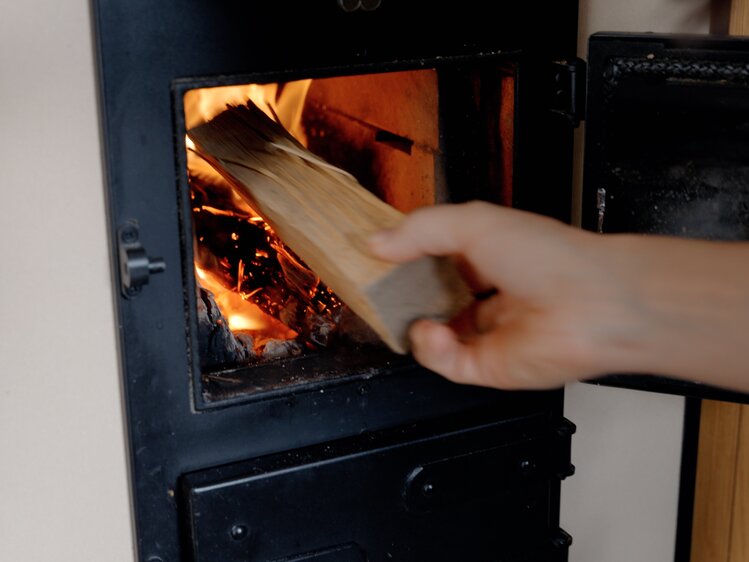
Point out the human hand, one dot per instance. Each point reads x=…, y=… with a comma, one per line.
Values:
x=555, y=306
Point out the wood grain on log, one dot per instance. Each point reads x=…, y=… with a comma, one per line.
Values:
x=325, y=216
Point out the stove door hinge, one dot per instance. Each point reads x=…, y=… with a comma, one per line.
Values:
x=136, y=267
x=568, y=80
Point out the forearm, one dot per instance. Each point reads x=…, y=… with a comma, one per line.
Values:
x=571, y=304
x=689, y=307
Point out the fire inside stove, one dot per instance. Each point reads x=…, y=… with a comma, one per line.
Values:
x=257, y=302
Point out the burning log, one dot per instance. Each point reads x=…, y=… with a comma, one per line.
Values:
x=243, y=256
x=325, y=215
x=219, y=347
x=281, y=349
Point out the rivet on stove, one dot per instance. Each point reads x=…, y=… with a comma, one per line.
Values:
x=526, y=466
x=239, y=532
x=129, y=234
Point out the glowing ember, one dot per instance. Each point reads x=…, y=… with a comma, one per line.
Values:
x=241, y=314
x=273, y=304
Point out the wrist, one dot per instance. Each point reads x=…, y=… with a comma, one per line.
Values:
x=620, y=322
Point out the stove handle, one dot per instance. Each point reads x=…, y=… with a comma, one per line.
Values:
x=136, y=267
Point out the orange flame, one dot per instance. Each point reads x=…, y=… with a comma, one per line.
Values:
x=283, y=103
x=241, y=314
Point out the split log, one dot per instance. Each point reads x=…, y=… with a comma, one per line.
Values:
x=325, y=216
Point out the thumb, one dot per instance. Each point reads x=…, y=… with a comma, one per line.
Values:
x=437, y=347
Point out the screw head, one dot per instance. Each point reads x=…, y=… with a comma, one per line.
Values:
x=527, y=466
x=129, y=234
x=239, y=532
x=132, y=291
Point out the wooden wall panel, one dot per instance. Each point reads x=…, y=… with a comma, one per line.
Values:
x=739, y=17
x=716, y=477
x=739, y=540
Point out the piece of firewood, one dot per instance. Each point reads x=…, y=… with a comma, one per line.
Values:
x=325, y=216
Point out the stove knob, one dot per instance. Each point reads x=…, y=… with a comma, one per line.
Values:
x=136, y=267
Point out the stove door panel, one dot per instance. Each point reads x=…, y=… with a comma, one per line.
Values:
x=667, y=145
x=397, y=495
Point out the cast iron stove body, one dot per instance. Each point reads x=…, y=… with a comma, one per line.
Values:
x=342, y=456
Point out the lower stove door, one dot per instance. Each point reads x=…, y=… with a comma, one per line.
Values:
x=482, y=493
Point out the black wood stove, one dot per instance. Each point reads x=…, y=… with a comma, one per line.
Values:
x=306, y=442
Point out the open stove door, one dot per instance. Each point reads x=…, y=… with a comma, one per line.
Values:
x=667, y=149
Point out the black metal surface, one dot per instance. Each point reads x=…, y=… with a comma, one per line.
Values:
x=667, y=138
x=687, y=479
x=425, y=492
x=143, y=47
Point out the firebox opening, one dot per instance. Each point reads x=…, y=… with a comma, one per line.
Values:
x=261, y=312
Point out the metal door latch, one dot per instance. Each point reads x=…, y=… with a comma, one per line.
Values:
x=136, y=267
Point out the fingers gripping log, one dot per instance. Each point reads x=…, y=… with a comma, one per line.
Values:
x=325, y=216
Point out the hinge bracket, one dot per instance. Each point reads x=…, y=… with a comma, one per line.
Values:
x=568, y=90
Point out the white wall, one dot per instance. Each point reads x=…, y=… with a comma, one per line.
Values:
x=63, y=480
x=621, y=505
x=63, y=483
